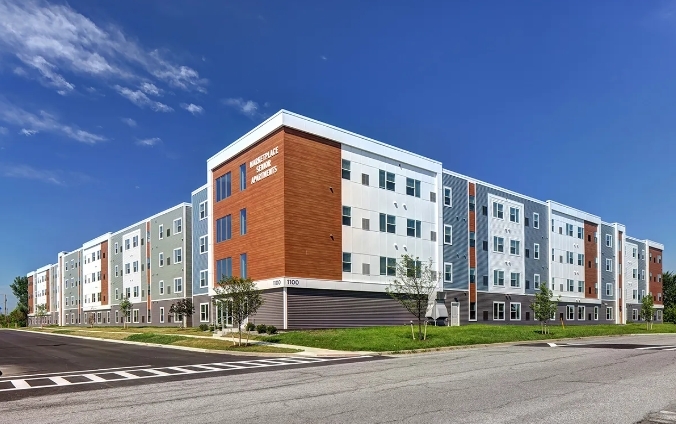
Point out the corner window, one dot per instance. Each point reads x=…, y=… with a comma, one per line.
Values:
x=345, y=169
x=448, y=197
x=347, y=262
x=347, y=216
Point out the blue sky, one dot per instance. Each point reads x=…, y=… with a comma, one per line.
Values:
x=109, y=110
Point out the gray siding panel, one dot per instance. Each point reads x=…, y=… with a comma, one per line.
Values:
x=456, y=215
x=272, y=310
x=308, y=308
x=70, y=277
x=166, y=245
x=607, y=253
x=199, y=229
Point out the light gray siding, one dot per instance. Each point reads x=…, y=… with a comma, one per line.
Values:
x=457, y=216
x=71, y=286
x=116, y=259
x=199, y=229
x=170, y=270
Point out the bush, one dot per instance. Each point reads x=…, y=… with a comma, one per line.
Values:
x=212, y=328
x=272, y=329
x=250, y=326
x=261, y=328
x=204, y=327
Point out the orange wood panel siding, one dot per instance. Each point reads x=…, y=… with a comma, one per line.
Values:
x=104, y=273
x=264, y=202
x=312, y=207
x=590, y=256
x=655, y=268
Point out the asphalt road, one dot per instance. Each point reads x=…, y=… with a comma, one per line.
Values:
x=500, y=384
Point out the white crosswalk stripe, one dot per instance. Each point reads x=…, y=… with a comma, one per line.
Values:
x=657, y=348
x=72, y=378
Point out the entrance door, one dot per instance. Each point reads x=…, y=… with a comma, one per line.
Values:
x=224, y=314
x=455, y=314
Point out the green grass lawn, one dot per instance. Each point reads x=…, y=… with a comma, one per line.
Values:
x=383, y=339
x=172, y=339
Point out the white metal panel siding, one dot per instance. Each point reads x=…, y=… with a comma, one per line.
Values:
x=562, y=243
x=505, y=261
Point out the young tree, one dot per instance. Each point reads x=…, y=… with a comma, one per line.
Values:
x=413, y=287
x=184, y=308
x=18, y=317
x=544, y=306
x=243, y=296
x=92, y=319
x=125, y=309
x=20, y=289
x=41, y=313
x=647, y=311
x=669, y=296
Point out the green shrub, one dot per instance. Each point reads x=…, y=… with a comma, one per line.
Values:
x=204, y=327
x=212, y=328
x=250, y=326
x=262, y=328
x=272, y=329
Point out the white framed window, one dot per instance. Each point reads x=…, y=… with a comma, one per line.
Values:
x=135, y=291
x=580, y=259
x=580, y=286
x=580, y=313
x=609, y=289
x=643, y=274
x=569, y=230
x=204, y=312
x=609, y=313
x=204, y=275
x=448, y=234
x=178, y=255
x=204, y=245
x=633, y=252
x=499, y=213
x=609, y=240
x=134, y=241
x=570, y=312
x=135, y=266
x=127, y=245
x=178, y=285
x=127, y=268
x=634, y=294
x=162, y=314
x=117, y=248
x=117, y=294
x=448, y=272
x=499, y=278
x=161, y=259
x=135, y=315
x=448, y=197
x=514, y=214
x=178, y=225
x=514, y=247
x=515, y=311
x=117, y=273
x=412, y=187
x=609, y=264
x=203, y=210
x=498, y=311
x=596, y=313
x=569, y=257
x=161, y=287
x=536, y=251
x=536, y=281
x=160, y=232
x=634, y=314
x=515, y=279
x=570, y=285
x=498, y=244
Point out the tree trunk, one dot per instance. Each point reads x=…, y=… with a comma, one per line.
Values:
x=420, y=336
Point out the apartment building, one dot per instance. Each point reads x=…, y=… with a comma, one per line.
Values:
x=319, y=216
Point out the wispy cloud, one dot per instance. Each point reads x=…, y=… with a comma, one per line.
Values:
x=192, y=108
x=322, y=57
x=140, y=99
x=149, y=142
x=245, y=107
x=151, y=89
x=55, y=177
x=129, y=122
x=43, y=122
x=28, y=133
x=3, y=131
x=54, y=39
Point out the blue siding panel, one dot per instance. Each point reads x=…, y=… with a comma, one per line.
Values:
x=199, y=229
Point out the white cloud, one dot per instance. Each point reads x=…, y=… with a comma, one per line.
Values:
x=323, y=57
x=140, y=99
x=20, y=71
x=55, y=39
x=149, y=141
x=151, y=89
x=129, y=122
x=55, y=177
x=44, y=122
x=3, y=130
x=192, y=108
x=246, y=107
x=28, y=133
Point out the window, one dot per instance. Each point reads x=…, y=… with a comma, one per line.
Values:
x=570, y=285
x=223, y=187
x=498, y=244
x=580, y=286
x=499, y=278
x=242, y=222
x=412, y=187
x=515, y=279
x=135, y=241
x=345, y=169
x=580, y=233
x=448, y=234
x=135, y=266
x=634, y=314
x=204, y=244
x=536, y=220
x=536, y=251
x=413, y=228
x=448, y=197
x=127, y=268
x=498, y=311
x=204, y=312
x=569, y=257
x=161, y=314
x=224, y=228
x=347, y=215
x=643, y=274
x=472, y=203
x=472, y=239
x=178, y=255
x=347, y=262
x=127, y=293
x=203, y=278
x=160, y=232
x=536, y=281
x=388, y=266
x=580, y=259
x=609, y=240
x=596, y=313
x=127, y=245
x=135, y=291
x=178, y=285
x=448, y=272
x=116, y=271
x=365, y=224
x=388, y=223
x=609, y=265
x=569, y=230
x=570, y=312
x=513, y=214
x=365, y=179
x=242, y=177
x=161, y=259
x=514, y=247
x=633, y=253
x=178, y=225
x=515, y=311
x=117, y=294
x=609, y=289
x=386, y=180
x=634, y=294
x=116, y=251
x=224, y=268
x=243, y=269
x=498, y=211
x=203, y=210
x=161, y=287
x=580, y=313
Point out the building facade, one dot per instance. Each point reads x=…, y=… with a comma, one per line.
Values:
x=319, y=217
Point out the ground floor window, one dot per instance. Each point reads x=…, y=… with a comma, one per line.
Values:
x=596, y=313
x=515, y=311
x=161, y=315
x=472, y=311
x=634, y=314
x=499, y=311
x=135, y=315
x=204, y=312
x=580, y=313
x=117, y=317
x=658, y=315
x=570, y=312
x=609, y=313
x=98, y=317
x=149, y=317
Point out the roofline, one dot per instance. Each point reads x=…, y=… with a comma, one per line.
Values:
x=98, y=240
x=197, y=190
x=43, y=268
x=569, y=210
x=654, y=244
x=182, y=204
x=493, y=186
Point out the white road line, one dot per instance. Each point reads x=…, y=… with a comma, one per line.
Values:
x=232, y=366
x=183, y=370
x=280, y=362
x=94, y=378
x=653, y=347
x=205, y=367
x=60, y=381
x=156, y=372
x=673, y=348
x=66, y=373
x=125, y=374
x=552, y=344
x=20, y=384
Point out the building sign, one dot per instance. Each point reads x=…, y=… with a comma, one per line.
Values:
x=263, y=164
